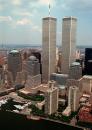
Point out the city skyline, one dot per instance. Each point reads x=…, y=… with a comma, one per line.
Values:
x=20, y=20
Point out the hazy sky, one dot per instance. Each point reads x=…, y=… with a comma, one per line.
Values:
x=21, y=20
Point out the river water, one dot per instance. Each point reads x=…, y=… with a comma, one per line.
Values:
x=13, y=121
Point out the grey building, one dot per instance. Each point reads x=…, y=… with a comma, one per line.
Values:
x=48, y=48
x=32, y=66
x=75, y=71
x=14, y=63
x=68, y=43
x=60, y=79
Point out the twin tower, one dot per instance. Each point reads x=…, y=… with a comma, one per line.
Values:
x=49, y=45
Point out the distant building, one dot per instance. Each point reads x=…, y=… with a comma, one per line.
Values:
x=51, y=99
x=68, y=43
x=14, y=63
x=3, y=52
x=78, y=54
x=48, y=48
x=73, y=98
x=32, y=66
x=88, y=61
x=8, y=79
x=59, y=78
x=75, y=71
x=38, y=56
x=59, y=62
x=1, y=73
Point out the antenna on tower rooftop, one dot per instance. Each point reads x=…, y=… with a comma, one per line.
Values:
x=49, y=9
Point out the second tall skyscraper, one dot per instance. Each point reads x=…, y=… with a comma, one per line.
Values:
x=68, y=43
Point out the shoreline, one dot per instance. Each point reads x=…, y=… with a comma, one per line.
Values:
x=39, y=118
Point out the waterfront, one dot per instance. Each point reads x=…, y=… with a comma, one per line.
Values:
x=15, y=121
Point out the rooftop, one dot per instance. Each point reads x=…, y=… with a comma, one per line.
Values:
x=69, y=18
x=33, y=58
x=61, y=75
x=62, y=86
x=75, y=64
x=87, y=77
x=14, y=51
x=49, y=18
x=67, y=111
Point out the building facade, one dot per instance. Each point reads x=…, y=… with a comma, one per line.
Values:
x=73, y=98
x=33, y=81
x=88, y=61
x=32, y=66
x=86, y=82
x=60, y=79
x=68, y=43
x=14, y=63
x=75, y=71
x=51, y=99
x=48, y=48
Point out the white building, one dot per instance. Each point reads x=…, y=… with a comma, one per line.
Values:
x=86, y=82
x=51, y=100
x=73, y=98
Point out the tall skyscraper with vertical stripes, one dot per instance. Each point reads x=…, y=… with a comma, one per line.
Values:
x=68, y=43
x=48, y=47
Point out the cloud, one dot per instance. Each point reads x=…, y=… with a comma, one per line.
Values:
x=76, y=5
x=25, y=13
x=16, y=2
x=1, y=8
x=36, y=28
x=5, y=18
x=40, y=3
x=47, y=2
x=23, y=21
x=21, y=13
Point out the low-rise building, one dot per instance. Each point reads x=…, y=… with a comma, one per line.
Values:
x=85, y=114
x=67, y=111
